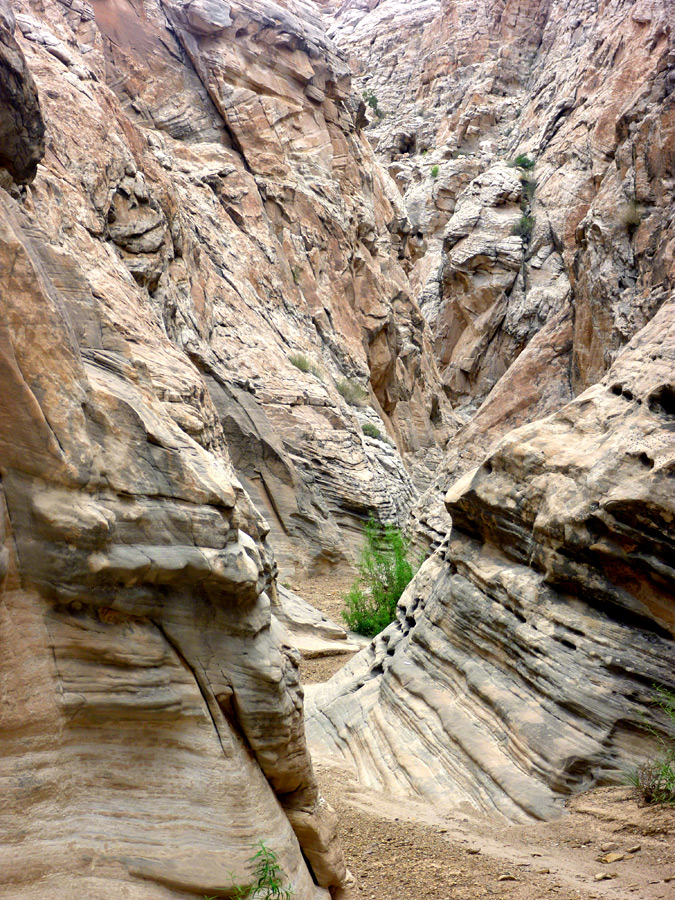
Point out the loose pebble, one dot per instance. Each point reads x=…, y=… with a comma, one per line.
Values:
x=609, y=846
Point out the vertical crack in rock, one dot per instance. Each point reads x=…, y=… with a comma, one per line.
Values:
x=210, y=701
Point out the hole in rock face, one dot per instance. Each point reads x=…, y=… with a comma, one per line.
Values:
x=565, y=643
x=646, y=460
x=407, y=143
x=616, y=389
x=662, y=400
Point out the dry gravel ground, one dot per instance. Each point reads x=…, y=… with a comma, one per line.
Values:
x=402, y=850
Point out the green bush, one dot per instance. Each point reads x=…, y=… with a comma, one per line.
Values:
x=352, y=391
x=523, y=161
x=434, y=171
x=372, y=101
x=654, y=780
x=371, y=431
x=267, y=879
x=523, y=227
x=300, y=361
x=384, y=573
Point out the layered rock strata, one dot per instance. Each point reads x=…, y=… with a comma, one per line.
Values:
x=532, y=144
x=216, y=157
x=184, y=234
x=562, y=263
x=526, y=650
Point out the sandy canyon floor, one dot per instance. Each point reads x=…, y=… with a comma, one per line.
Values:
x=410, y=851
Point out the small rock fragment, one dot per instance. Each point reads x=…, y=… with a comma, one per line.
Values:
x=608, y=846
x=507, y=878
x=605, y=876
x=473, y=850
x=634, y=849
x=610, y=858
x=544, y=871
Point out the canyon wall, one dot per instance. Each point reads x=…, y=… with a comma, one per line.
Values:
x=533, y=146
x=213, y=275
x=522, y=322
x=185, y=203
x=215, y=164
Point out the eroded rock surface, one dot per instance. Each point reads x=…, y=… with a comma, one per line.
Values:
x=527, y=647
x=148, y=702
x=184, y=234
x=221, y=165
x=585, y=97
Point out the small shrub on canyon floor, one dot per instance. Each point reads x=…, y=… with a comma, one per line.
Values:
x=654, y=780
x=523, y=161
x=385, y=571
x=267, y=882
x=352, y=391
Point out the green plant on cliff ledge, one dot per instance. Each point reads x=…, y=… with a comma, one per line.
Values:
x=300, y=361
x=523, y=161
x=372, y=101
x=385, y=571
x=372, y=431
x=267, y=880
x=654, y=780
x=354, y=393
x=434, y=171
x=523, y=227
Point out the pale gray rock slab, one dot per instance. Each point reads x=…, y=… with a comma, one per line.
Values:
x=310, y=631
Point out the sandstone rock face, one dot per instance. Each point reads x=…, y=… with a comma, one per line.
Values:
x=223, y=170
x=526, y=648
x=149, y=702
x=586, y=96
x=206, y=209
